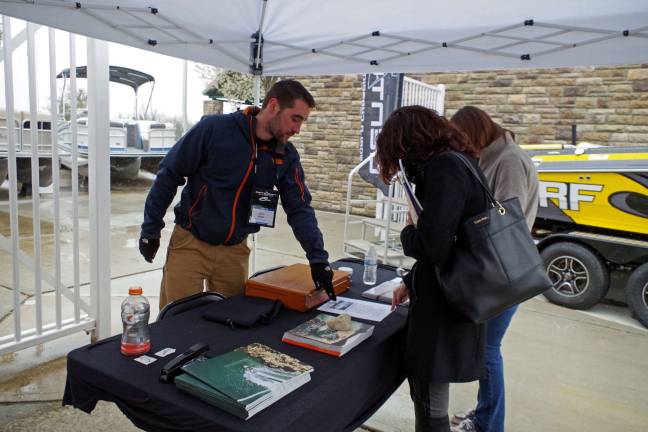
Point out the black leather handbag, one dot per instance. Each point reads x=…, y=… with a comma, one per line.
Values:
x=494, y=263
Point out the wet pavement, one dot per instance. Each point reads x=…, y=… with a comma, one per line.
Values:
x=566, y=370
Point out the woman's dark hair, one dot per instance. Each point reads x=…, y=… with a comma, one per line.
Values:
x=286, y=92
x=480, y=129
x=414, y=134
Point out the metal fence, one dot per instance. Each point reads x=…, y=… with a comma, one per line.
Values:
x=391, y=209
x=413, y=93
x=418, y=93
x=43, y=268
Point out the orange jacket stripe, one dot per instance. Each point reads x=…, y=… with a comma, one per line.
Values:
x=240, y=188
x=300, y=184
x=201, y=193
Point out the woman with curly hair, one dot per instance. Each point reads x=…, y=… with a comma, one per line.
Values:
x=442, y=345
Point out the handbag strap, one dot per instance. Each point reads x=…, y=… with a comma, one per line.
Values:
x=267, y=317
x=475, y=174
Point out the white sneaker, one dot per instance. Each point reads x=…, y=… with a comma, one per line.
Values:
x=461, y=416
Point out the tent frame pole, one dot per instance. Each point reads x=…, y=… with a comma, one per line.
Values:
x=256, y=67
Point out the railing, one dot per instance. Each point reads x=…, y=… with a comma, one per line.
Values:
x=391, y=209
x=161, y=140
x=117, y=140
x=413, y=93
x=387, y=247
x=418, y=93
x=44, y=146
x=23, y=137
x=4, y=140
x=56, y=308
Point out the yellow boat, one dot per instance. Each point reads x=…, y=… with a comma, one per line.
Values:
x=593, y=219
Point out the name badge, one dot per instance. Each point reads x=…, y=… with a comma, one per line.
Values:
x=263, y=208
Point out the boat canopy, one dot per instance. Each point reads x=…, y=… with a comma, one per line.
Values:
x=122, y=75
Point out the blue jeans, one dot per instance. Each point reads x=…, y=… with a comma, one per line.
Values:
x=489, y=414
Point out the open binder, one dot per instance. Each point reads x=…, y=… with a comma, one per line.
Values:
x=415, y=207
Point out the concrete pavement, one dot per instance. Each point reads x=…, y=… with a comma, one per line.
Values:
x=566, y=370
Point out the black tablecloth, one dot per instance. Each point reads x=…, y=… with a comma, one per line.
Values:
x=342, y=394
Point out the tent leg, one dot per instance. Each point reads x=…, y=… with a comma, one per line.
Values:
x=99, y=186
x=185, y=121
x=257, y=100
x=257, y=90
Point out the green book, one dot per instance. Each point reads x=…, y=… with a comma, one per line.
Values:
x=246, y=380
x=191, y=385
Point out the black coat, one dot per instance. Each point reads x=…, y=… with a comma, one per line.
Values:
x=442, y=345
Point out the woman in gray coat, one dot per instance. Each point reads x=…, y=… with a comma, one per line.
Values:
x=510, y=173
x=442, y=345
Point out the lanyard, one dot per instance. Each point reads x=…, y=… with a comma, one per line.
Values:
x=253, y=145
x=255, y=151
x=263, y=202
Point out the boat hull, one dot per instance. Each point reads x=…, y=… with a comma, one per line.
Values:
x=606, y=189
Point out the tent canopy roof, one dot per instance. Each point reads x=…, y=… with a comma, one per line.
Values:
x=360, y=36
x=121, y=75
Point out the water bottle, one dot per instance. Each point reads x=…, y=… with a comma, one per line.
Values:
x=370, y=267
x=135, y=311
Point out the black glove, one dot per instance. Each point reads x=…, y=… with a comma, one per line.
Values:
x=323, y=278
x=148, y=248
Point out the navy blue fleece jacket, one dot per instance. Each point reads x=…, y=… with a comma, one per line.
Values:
x=216, y=159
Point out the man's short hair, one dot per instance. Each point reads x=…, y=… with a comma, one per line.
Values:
x=287, y=92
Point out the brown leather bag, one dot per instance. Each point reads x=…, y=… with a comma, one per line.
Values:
x=294, y=286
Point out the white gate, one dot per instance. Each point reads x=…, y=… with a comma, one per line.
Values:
x=418, y=93
x=391, y=210
x=41, y=263
x=395, y=209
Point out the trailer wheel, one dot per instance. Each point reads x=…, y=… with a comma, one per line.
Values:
x=579, y=277
x=637, y=293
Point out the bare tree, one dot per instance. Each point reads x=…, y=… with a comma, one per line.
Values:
x=231, y=85
x=150, y=114
x=81, y=100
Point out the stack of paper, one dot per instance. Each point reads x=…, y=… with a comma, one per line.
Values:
x=384, y=291
x=315, y=334
x=244, y=381
x=361, y=309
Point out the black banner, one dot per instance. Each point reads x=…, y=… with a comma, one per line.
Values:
x=381, y=94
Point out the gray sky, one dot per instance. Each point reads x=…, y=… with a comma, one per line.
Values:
x=167, y=95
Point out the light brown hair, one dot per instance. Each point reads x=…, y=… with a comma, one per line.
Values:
x=479, y=128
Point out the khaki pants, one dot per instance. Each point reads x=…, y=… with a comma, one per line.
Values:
x=190, y=262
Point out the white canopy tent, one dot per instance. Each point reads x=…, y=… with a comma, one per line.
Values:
x=299, y=37
x=308, y=37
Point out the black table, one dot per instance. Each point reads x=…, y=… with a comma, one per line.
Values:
x=342, y=394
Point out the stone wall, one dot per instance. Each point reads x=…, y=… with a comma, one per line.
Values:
x=609, y=105
x=329, y=143
x=212, y=107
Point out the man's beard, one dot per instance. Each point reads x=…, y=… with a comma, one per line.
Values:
x=274, y=128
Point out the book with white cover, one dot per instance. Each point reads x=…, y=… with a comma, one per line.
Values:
x=414, y=206
x=384, y=291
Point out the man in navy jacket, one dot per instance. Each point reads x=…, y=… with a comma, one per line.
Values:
x=234, y=167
